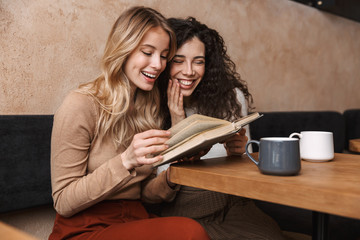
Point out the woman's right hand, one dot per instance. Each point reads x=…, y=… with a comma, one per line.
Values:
x=175, y=102
x=145, y=144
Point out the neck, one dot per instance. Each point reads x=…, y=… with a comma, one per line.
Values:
x=188, y=101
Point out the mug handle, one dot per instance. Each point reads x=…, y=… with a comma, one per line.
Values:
x=295, y=134
x=247, y=152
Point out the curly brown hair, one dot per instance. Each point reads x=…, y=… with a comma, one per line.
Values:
x=215, y=95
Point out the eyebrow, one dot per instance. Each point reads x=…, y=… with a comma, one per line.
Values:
x=151, y=46
x=182, y=56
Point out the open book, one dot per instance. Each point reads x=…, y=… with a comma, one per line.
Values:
x=199, y=132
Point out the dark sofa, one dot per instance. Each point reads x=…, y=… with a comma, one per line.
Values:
x=282, y=124
x=25, y=189
x=25, y=161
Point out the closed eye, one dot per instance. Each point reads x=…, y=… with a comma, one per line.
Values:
x=177, y=61
x=146, y=53
x=200, y=62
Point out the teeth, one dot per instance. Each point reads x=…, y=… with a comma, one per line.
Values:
x=149, y=75
x=186, y=82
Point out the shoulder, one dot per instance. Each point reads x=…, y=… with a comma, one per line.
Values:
x=242, y=100
x=78, y=108
x=77, y=102
x=240, y=96
x=239, y=93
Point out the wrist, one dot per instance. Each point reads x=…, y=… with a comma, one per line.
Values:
x=126, y=163
x=176, y=119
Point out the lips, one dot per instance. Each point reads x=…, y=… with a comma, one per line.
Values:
x=186, y=83
x=149, y=76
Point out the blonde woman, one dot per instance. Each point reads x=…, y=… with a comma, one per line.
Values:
x=103, y=136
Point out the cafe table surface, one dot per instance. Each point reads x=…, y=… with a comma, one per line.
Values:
x=331, y=187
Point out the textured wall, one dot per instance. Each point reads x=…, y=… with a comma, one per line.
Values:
x=294, y=57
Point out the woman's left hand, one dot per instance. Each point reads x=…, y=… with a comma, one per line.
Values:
x=236, y=144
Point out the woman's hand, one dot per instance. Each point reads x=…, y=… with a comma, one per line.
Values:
x=175, y=102
x=236, y=144
x=145, y=144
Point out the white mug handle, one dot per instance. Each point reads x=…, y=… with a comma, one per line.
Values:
x=295, y=134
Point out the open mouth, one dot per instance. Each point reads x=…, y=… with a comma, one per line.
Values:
x=149, y=75
x=186, y=82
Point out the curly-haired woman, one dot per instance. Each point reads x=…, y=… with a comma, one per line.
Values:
x=203, y=79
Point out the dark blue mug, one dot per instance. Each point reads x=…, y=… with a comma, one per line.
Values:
x=277, y=155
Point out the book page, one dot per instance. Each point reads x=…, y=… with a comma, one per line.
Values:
x=197, y=143
x=194, y=124
x=245, y=120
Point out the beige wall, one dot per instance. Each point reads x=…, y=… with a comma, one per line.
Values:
x=293, y=57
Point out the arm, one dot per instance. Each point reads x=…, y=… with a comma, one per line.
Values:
x=74, y=189
x=162, y=185
x=159, y=188
x=74, y=186
x=155, y=189
x=236, y=144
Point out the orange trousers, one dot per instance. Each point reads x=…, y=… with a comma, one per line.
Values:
x=122, y=219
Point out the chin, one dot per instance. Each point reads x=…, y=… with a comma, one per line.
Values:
x=187, y=93
x=147, y=87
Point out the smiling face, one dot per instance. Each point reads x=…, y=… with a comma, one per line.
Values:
x=148, y=60
x=188, y=66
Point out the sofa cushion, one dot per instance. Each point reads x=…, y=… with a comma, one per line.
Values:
x=282, y=124
x=24, y=161
x=352, y=123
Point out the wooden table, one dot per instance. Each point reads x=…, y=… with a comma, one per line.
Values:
x=8, y=232
x=325, y=188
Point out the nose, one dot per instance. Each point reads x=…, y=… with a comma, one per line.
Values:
x=188, y=69
x=156, y=62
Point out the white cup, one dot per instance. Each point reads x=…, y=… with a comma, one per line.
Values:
x=316, y=146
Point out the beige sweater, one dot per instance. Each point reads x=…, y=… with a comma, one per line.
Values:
x=85, y=170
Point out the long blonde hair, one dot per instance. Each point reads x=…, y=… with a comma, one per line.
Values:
x=112, y=88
